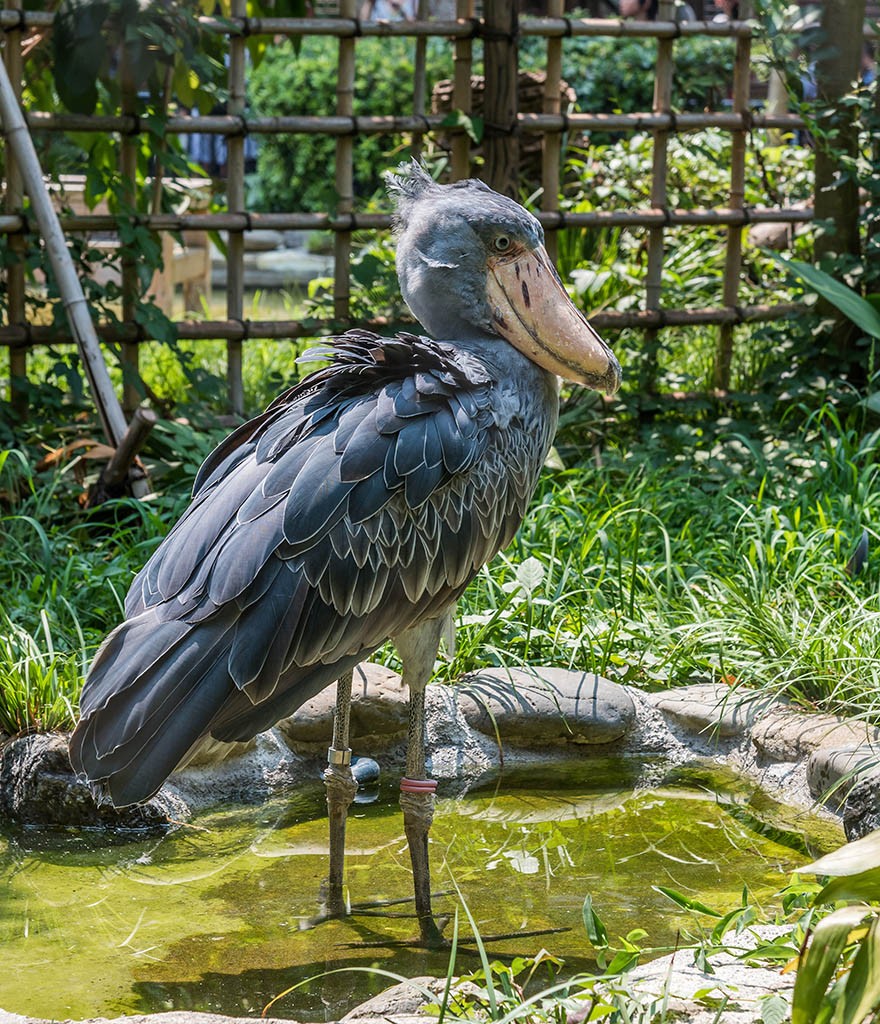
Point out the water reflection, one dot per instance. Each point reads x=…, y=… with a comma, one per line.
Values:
x=213, y=916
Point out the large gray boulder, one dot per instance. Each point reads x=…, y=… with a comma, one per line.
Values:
x=546, y=706
x=38, y=787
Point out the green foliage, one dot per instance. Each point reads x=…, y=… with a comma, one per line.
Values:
x=617, y=75
x=296, y=171
x=838, y=975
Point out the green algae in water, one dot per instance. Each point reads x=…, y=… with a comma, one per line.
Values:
x=214, y=916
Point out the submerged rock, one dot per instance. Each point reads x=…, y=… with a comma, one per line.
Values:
x=38, y=787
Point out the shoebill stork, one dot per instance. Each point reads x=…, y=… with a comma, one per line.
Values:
x=355, y=509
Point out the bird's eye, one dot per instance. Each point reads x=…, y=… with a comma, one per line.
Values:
x=502, y=243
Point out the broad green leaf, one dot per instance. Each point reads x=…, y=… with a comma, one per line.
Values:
x=530, y=575
x=774, y=1009
x=597, y=933
x=685, y=901
x=820, y=961
x=849, y=302
x=864, y=886
x=851, y=859
x=862, y=995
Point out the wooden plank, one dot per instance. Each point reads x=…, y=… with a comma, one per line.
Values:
x=420, y=76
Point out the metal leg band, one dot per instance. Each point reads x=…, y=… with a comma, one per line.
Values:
x=340, y=757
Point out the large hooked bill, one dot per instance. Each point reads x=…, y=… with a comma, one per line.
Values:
x=531, y=309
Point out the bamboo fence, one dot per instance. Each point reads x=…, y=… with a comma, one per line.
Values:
x=499, y=30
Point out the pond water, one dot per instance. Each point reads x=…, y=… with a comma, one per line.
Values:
x=215, y=915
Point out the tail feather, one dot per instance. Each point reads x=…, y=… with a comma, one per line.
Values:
x=142, y=717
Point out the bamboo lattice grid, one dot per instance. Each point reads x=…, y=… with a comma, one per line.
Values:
x=498, y=30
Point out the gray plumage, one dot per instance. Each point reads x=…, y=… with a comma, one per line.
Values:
x=359, y=504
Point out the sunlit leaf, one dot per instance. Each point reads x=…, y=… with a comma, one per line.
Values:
x=597, y=933
x=862, y=994
x=848, y=301
x=851, y=859
x=820, y=961
x=685, y=901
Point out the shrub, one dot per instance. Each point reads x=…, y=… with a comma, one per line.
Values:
x=296, y=171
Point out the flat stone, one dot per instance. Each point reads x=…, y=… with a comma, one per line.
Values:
x=682, y=985
x=38, y=787
x=784, y=734
x=711, y=710
x=379, y=714
x=546, y=706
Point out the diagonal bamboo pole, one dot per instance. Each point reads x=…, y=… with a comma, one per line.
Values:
x=75, y=305
x=15, y=284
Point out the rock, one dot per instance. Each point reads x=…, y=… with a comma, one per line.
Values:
x=38, y=787
x=861, y=811
x=712, y=710
x=692, y=996
x=784, y=734
x=400, y=1001
x=365, y=771
x=379, y=714
x=832, y=772
x=546, y=705
x=263, y=241
x=265, y=766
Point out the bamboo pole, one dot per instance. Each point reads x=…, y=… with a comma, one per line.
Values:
x=552, y=141
x=128, y=154
x=83, y=331
x=420, y=77
x=235, y=204
x=461, y=91
x=224, y=124
x=551, y=219
x=532, y=26
x=742, y=72
x=13, y=203
x=280, y=330
x=653, y=285
x=344, y=167
x=500, y=98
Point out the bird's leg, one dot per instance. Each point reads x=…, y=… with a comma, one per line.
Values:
x=418, y=649
x=341, y=788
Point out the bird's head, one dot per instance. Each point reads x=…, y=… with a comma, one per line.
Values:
x=472, y=263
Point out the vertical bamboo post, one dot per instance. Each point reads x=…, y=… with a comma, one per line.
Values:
x=461, y=93
x=420, y=83
x=128, y=155
x=235, y=204
x=344, y=167
x=14, y=202
x=552, y=141
x=662, y=105
x=733, y=255
x=500, y=98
